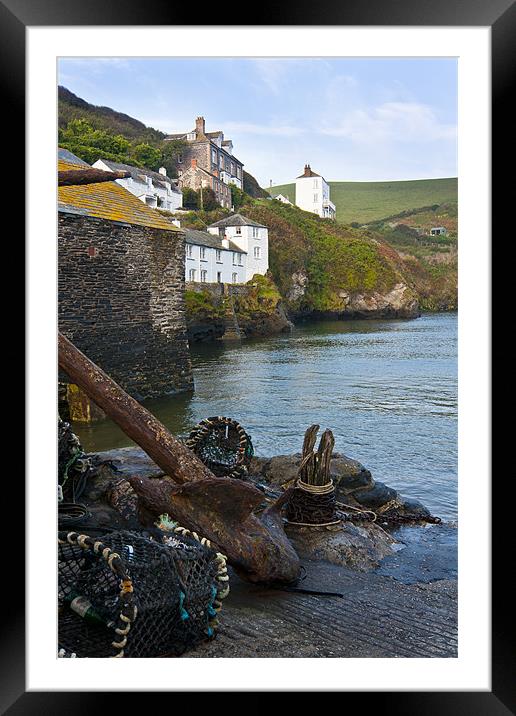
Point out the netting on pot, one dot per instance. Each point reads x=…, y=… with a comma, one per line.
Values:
x=137, y=595
x=222, y=445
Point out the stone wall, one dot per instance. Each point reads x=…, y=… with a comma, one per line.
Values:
x=121, y=301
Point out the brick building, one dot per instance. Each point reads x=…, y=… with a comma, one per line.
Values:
x=207, y=160
x=121, y=268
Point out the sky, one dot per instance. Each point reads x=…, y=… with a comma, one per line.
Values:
x=351, y=119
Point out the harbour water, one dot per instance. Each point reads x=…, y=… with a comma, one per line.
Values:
x=387, y=389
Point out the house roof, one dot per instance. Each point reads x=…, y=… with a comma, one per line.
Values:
x=139, y=174
x=308, y=173
x=67, y=156
x=237, y=220
x=204, y=238
x=108, y=200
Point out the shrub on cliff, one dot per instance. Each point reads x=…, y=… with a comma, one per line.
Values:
x=202, y=307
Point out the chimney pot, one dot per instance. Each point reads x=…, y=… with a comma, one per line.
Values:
x=194, y=163
x=307, y=170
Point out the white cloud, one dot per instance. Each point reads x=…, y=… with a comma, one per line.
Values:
x=391, y=121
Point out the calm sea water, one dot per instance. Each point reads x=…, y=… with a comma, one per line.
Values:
x=387, y=389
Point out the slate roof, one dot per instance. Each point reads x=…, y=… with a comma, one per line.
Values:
x=67, y=156
x=108, y=200
x=140, y=174
x=237, y=220
x=204, y=238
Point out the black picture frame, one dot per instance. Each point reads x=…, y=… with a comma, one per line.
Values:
x=500, y=15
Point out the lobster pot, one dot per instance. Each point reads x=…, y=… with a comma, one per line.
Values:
x=312, y=505
x=126, y=594
x=222, y=445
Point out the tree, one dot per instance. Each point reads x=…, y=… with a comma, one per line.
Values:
x=91, y=144
x=147, y=156
x=190, y=198
x=207, y=199
x=238, y=197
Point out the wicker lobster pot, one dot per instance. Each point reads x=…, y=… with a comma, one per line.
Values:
x=222, y=445
x=312, y=505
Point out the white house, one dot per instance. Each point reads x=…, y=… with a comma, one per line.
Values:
x=210, y=259
x=155, y=189
x=252, y=238
x=232, y=250
x=313, y=194
x=283, y=198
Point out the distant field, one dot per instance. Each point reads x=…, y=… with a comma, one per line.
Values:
x=369, y=201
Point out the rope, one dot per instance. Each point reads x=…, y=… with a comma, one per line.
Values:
x=315, y=489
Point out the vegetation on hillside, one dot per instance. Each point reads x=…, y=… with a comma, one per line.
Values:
x=333, y=258
x=103, y=133
x=429, y=261
x=364, y=202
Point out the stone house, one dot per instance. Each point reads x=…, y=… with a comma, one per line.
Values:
x=155, y=189
x=438, y=231
x=313, y=194
x=121, y=268
x=207, y=160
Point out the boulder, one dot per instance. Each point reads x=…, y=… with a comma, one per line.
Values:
x=360, y=547
x=376, y=496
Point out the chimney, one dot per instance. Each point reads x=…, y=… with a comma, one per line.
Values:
x=200, y=125
x=308, y=171
x=194, y=163
x=163, y=171
x=225, y=243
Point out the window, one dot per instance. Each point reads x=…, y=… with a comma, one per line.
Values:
x=204, y=276
x=219, y=277
x=235, y=258
x=316, y=198
x=218, y=256
x=214, y=156
x=202, y=252
x=257, y=252
x=234, y=277
x=179, y=158
x=238, y=230
x=191, y=275
x=255, y=232
x=189, y=251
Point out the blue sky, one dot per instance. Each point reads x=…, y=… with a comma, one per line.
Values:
x=352, y=119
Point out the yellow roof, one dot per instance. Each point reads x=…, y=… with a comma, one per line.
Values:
x=109, y=200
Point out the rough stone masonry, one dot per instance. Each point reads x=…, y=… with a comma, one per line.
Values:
x=121, y=301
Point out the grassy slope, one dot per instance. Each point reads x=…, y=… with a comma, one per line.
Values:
x=364, y=202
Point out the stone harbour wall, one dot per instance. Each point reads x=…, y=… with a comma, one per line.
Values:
x=121, y=302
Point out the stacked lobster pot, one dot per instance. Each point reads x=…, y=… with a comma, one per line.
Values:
x=130, y=594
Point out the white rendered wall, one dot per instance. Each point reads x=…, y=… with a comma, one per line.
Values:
x=306, y=190
x=225, y=265
x=248, y=238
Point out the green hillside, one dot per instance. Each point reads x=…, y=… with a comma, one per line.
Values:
x=364, y=202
